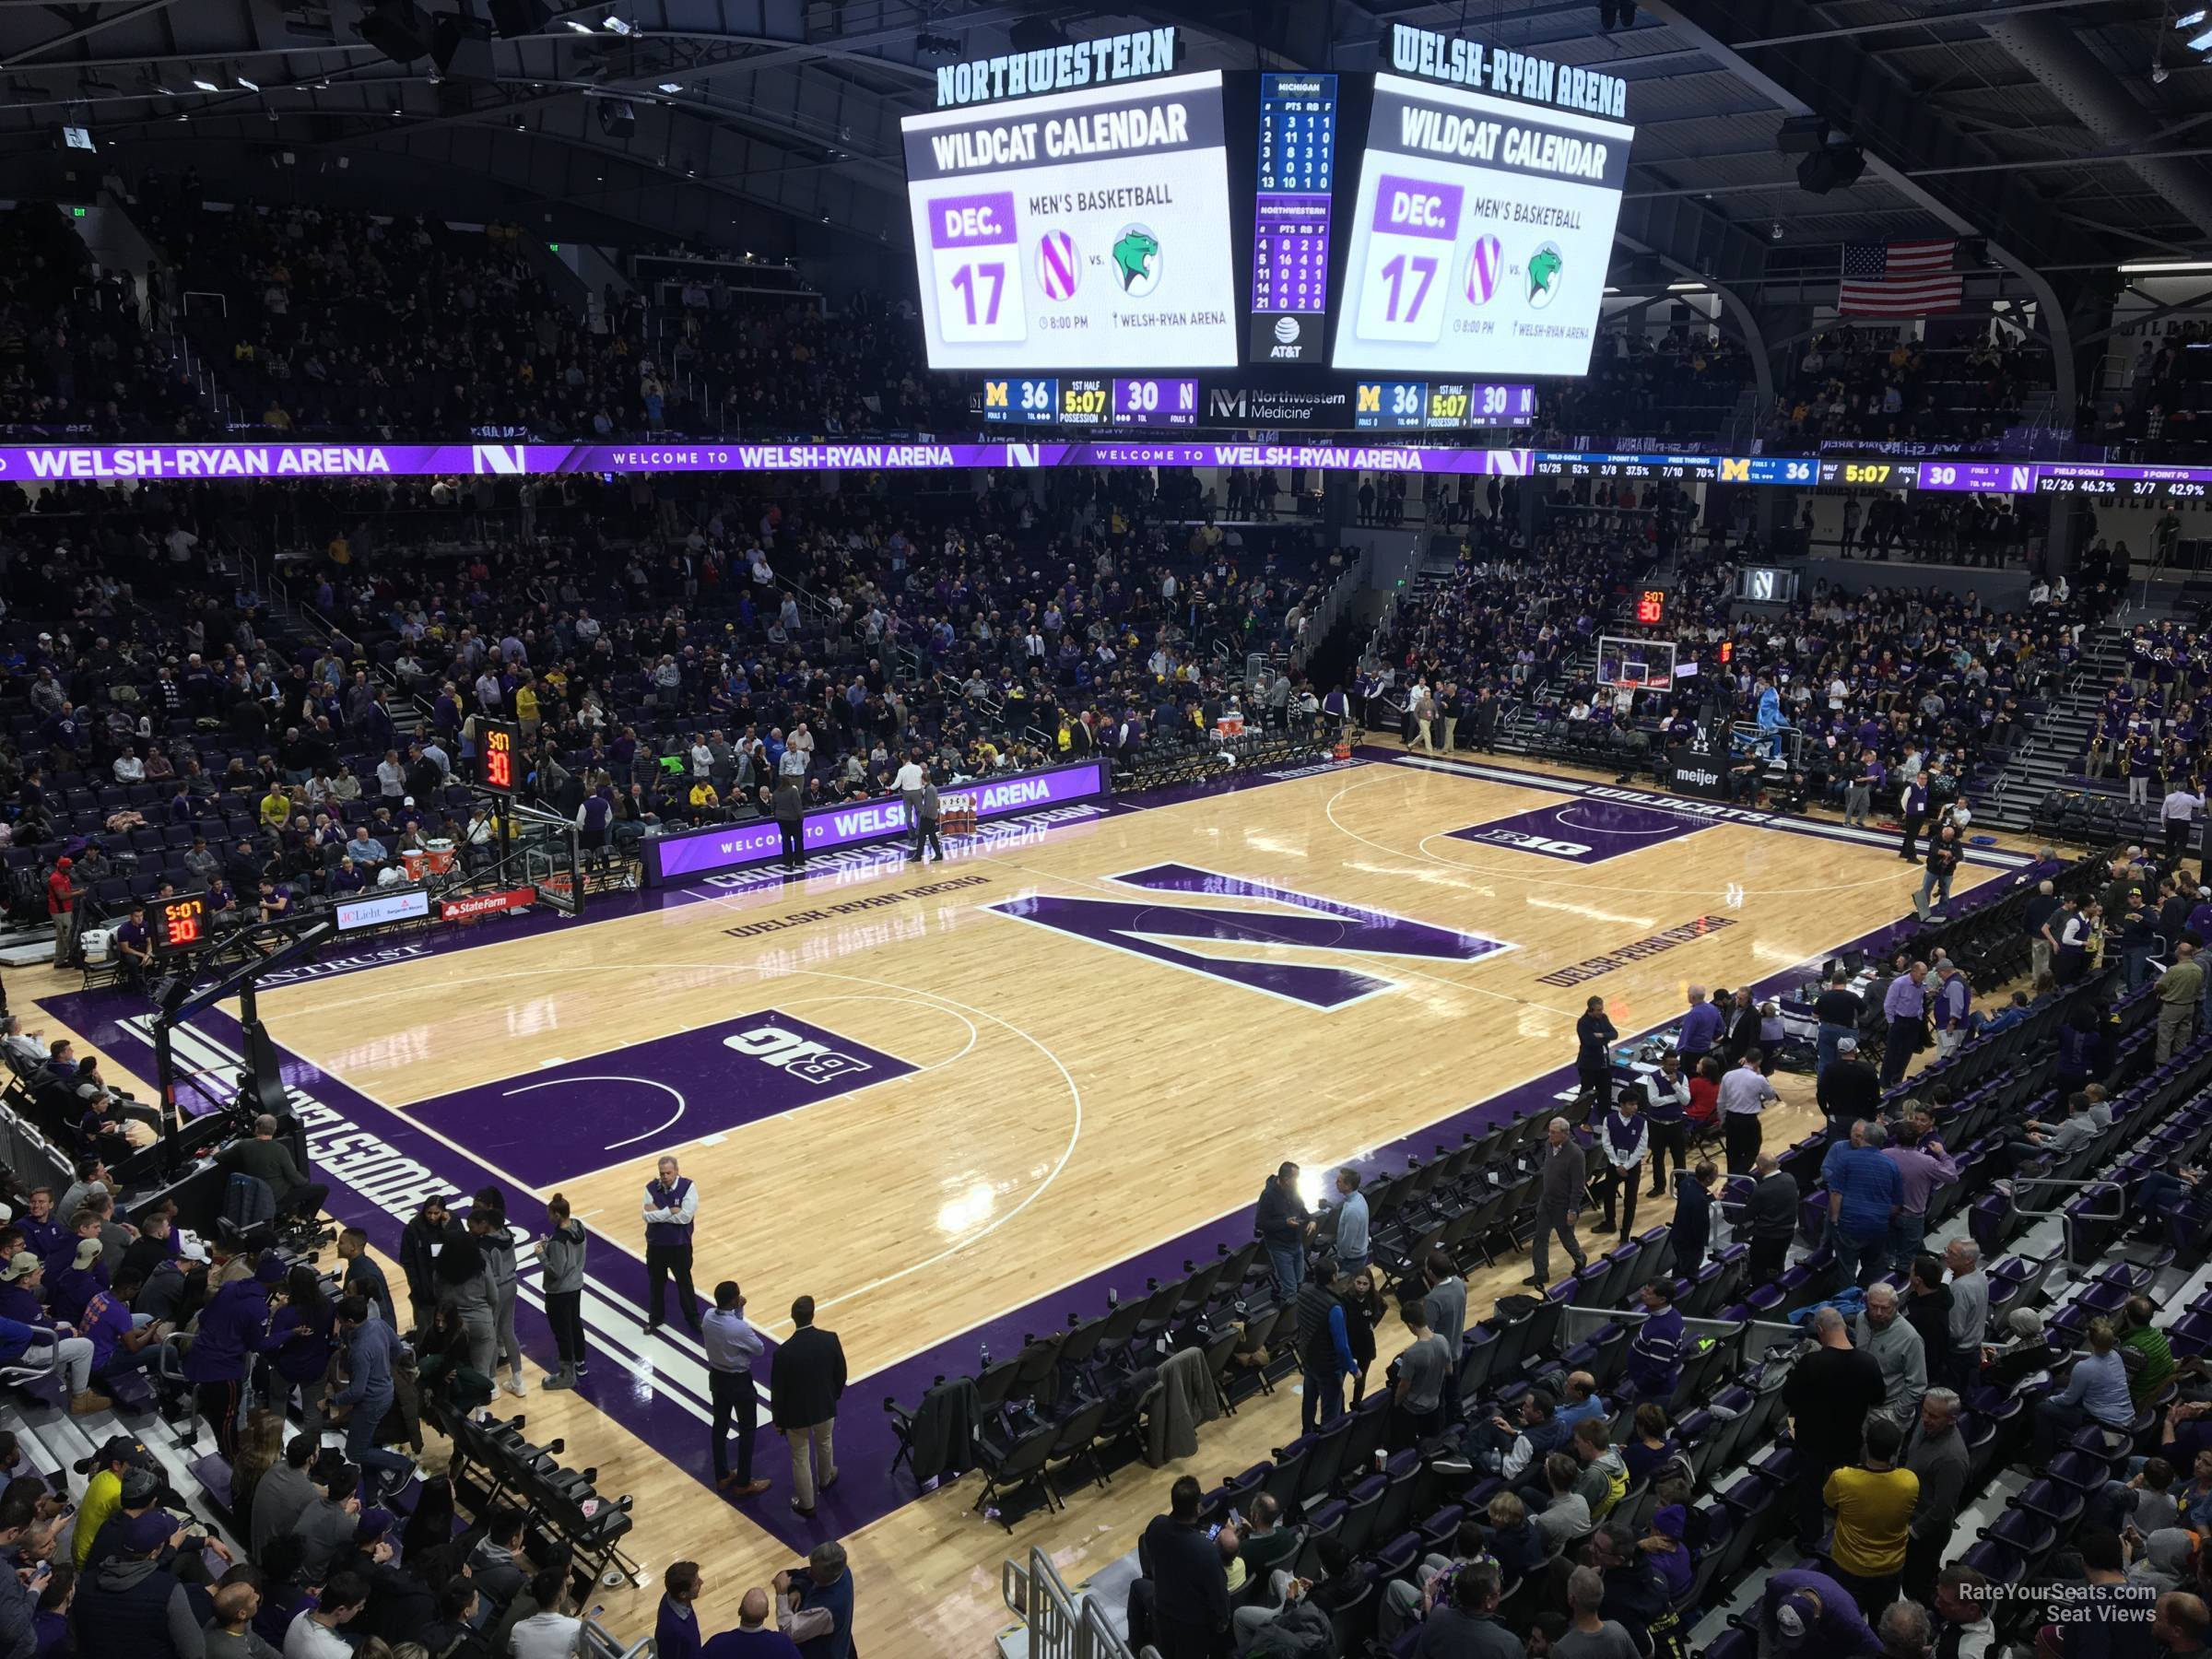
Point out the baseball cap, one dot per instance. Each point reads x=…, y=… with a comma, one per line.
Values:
x=22, y=1264
x=1847, y=1046
x=87, y=1252
x=270, y=1268
x=373, y=1524
x=148, y=1533
x=139, y=1487
x=1794, y=1617
x=65, y=863
x=119, y=1448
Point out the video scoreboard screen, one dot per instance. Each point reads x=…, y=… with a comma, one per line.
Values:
x=1480, y=233
x=1083, y=209
x=1296, y=185
x=1056, y=400
x=1415, y=405
x=1081, y=230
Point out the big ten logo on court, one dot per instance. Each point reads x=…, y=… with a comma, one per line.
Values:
x=801, y=1058
x=1534, y=844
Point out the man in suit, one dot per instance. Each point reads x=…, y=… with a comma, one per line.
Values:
x=807, y=1378
x=671, y=1212
x=790, y=808
x=1561, y=1191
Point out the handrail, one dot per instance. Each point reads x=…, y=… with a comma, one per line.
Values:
x=1059, y=1625
x=2066, y=1219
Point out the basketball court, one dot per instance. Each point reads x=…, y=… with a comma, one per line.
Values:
x=955, y=1103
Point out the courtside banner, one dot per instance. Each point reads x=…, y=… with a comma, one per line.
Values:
x=723, y=847
x=487, y=904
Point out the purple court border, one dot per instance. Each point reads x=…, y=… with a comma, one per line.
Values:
x=866, y=1491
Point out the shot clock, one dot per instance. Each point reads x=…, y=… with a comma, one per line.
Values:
x=501, y=756
x=179, y=926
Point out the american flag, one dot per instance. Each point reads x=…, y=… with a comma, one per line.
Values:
x=1900, y=280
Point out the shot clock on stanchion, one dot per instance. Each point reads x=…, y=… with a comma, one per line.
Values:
x=179, y=926
x=496, y=765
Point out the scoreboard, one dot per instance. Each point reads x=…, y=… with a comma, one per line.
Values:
x=1295, y=187
x=1481, y=233
x=1058, y=400
x=1412, y=405
x=1081, y=230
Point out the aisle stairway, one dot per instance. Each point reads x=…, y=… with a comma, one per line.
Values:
x=2054, y=750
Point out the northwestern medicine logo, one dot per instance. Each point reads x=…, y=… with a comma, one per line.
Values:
x=1059, y=266
x=1305, y=923
x=1136, y=259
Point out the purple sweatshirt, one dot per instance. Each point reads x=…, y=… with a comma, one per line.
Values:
x=1922, y=1172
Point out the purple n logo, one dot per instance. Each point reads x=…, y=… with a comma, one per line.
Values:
x=1324, y=924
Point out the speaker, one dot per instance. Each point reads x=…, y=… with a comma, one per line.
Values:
x=512, y=17
x=397, y=28
x=616, y=119
x=1832, y=167
x=460, y=47
x=1801, y=135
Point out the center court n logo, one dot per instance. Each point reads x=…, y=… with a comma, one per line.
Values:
x=1307, y=924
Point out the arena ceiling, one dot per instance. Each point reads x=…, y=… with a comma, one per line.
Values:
x=2038, y=125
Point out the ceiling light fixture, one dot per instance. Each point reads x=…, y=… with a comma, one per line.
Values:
x=205, y=86
x=671, y=86
x=249, y=86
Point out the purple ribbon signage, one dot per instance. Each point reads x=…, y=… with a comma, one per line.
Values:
x=122, y=462
x=724, y=847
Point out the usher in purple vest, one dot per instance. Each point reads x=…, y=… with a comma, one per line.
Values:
x=668, y=1232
